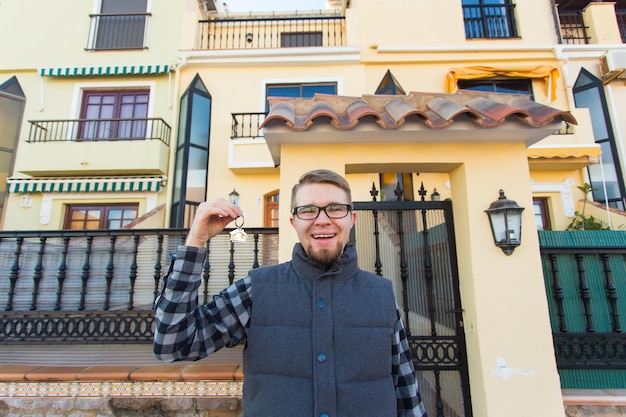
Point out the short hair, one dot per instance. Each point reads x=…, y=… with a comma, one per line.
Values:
x=321, y=176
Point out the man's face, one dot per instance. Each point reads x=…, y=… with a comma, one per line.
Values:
x=323, y=238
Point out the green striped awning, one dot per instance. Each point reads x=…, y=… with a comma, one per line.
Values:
x=86, y=185
x=99, y=71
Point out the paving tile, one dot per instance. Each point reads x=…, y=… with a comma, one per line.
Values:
x=106, y=373
x=213, y=372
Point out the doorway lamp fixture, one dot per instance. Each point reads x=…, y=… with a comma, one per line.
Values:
x=234, y=197
x=505, y=218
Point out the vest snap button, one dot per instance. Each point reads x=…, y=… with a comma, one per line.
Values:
x=321, y=358
x=321, y=303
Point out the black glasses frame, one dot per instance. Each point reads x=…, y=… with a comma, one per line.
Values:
x=296, y=211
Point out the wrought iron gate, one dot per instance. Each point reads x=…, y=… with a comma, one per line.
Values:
x=412, y=243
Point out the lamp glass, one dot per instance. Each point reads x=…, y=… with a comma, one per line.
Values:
x=505, y=219
x=234, y=197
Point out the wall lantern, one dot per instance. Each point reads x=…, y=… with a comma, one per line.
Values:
x=505, y=218
x=435, y=196
x=234, y=197
x=249, y=37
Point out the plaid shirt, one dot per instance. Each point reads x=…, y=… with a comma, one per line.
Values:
x=187, y=331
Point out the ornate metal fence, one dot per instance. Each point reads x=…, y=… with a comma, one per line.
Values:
x=99, y=286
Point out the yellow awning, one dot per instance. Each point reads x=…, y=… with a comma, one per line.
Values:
x=548, y=73
x=570, y=151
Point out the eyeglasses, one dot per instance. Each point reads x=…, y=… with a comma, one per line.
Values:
x=333, y=211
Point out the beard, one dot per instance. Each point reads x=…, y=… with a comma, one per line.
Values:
x=325, y=257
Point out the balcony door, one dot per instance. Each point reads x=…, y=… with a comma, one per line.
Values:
x=114, y=114
x=121, y=24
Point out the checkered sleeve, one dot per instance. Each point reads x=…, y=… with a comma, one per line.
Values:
x=185, y=330
x=407, y=392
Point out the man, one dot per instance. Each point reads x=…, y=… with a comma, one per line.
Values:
x=322, y=337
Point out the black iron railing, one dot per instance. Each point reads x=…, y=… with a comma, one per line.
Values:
x=490, y=21
x=246, y=125
x=99, y=130
x=221, y=34
x=118, y=31
x=99, y=286
x=566, y=129
x=573, y=29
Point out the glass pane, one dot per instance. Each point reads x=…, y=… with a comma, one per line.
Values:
x=182, y=119
x=538, y=215
x=200, y=120
x=607, y=171
x=123, y=6
x=197, y=175
x=10, y=114
x=591, y=100
x=310, y=90
x=283, y=91
x=115, y=214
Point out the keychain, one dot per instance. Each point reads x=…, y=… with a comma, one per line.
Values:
x=238, y=235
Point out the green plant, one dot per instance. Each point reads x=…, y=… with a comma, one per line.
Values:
x=583, y=222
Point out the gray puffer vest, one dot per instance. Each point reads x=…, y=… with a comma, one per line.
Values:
x=319, y=341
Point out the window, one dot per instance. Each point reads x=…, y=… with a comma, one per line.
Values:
x=97, y=216
x=606, y=178
x=300, y=89
x=494, y=85
x=489, y=19
x=542, y=217
x=121, y=24
x=114, y=114
x=12, y=101
x=389, y=85
x=299, y=39
x=306, y=90
x=192, y=152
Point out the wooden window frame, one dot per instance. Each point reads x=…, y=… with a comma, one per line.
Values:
x=103, y=208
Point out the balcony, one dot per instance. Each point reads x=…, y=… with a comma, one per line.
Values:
x=262, y=33
x=118, y=31
x=96, y=147
x=247, y=149
x=573, y=29
x=490, y=21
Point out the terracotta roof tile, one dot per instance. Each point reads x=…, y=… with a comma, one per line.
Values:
x=435, y=110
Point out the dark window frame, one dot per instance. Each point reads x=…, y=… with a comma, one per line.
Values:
x=486, y=20
x=114, y=127
x=586, y=81
x=544, y=213
x=498, y=85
